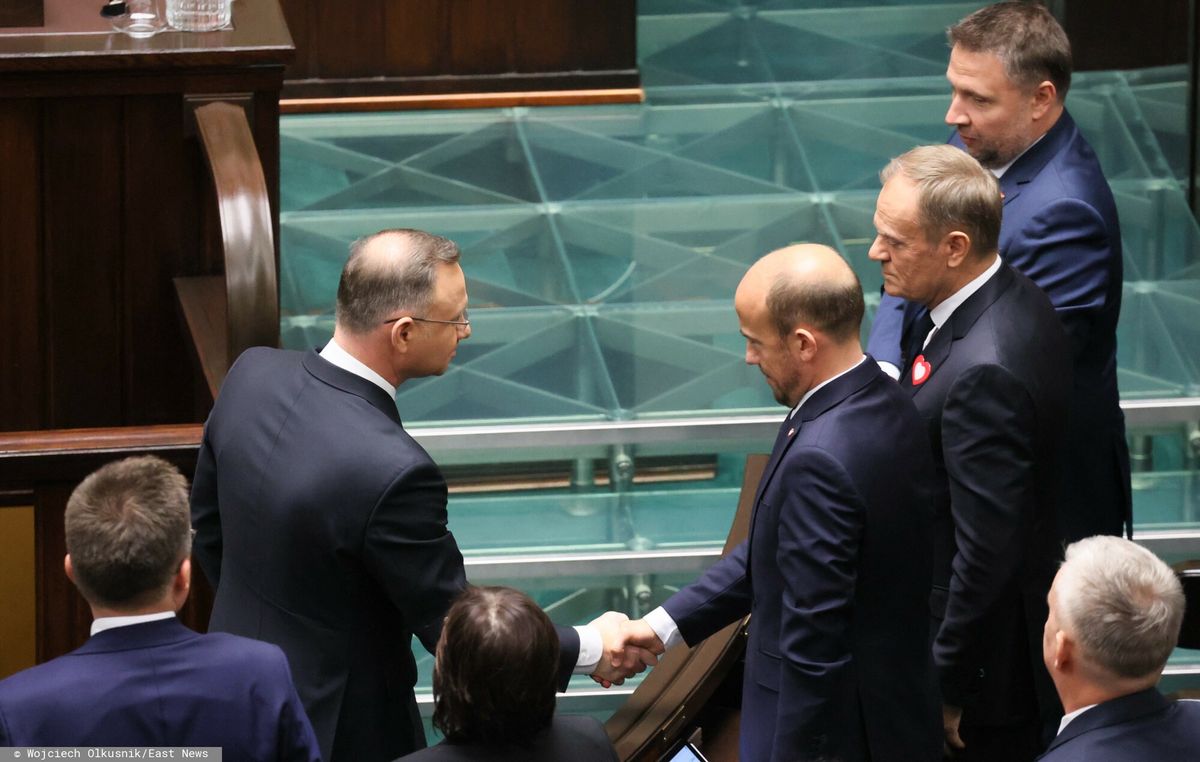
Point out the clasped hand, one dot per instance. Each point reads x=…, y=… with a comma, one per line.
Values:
x=629, y=647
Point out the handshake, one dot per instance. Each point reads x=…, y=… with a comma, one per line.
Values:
x=630, y=645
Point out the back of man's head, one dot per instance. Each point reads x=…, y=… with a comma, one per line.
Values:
x=813, y=286
x=388, y=271
x=497, y=668
x=1026, y=38
x=1121, y=604
x=127, y=532
x=955, y=193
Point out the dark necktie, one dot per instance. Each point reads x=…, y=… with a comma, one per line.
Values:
x=914, y=341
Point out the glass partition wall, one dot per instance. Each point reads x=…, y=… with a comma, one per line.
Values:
x=595, y=424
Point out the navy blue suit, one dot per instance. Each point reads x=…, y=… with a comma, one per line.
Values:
x=160, y=684
x=1141, y=726
x=1060, y=229
x=322, y=525
x=995, y=402
x=836, y=572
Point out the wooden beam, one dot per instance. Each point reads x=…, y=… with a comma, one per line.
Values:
x=463, y=100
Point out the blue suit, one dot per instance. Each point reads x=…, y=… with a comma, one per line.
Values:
x=160, y=684
x=1141, y=726
x=836, y=572
x=1060, y=229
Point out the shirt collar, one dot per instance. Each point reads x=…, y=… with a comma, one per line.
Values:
x=1066, y=720
x=813, y=390
x=941, y=313
x=335, y=355
x=113, y=622
x=999, y=171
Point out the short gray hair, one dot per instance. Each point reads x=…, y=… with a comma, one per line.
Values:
x=833, y=307
x=373, y=287
x=1025, y=37
x=955, y=193
x=1123, y=605
x=127, y=530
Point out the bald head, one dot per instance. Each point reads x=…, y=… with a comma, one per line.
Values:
x=387, y=272
x=811, y=285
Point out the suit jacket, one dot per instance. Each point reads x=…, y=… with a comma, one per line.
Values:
x=160, y=684
x=578, y=739
x=1141, y=726
x=836, y=571
x=1060, y=229
x=322, y=525
x=994, y=401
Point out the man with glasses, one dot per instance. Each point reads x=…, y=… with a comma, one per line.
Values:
x=322, y=523
x=142, y=678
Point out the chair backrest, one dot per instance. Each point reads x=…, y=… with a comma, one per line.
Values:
x=1189, y=575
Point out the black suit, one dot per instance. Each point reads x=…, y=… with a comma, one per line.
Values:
x=322, y=525
x=577, y=739
x=1141, y=726
x=994, y=399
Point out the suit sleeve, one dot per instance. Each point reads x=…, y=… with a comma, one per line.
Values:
x=988, y=434
x=720, y=596
x=296, y=739
x=1066, y=249
x=884, y=342
x=408, y=548
x=820, y=533
x=568, y=654
x=206, y=516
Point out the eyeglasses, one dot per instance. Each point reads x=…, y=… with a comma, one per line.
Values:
x=464, y=323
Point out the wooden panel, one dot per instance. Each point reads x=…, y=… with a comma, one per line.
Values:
x=398, y=47
x=83, y=241
x=20, y=265
x=1101, y=36
x=18, y=590
x=21, y=13
x=161, y=184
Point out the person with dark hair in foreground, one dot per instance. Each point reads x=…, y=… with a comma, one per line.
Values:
x=143, y=679
x=494, y=686
x=1115, y=613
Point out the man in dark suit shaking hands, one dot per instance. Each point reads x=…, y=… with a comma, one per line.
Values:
x=322, y=523
x=988, y=365
x=837, y=565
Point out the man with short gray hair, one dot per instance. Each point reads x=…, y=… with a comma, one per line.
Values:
x=142, y=678
x=321, y=522
x=1115, y=613
x=988, y=366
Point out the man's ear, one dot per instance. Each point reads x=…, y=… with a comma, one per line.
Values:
x=400, y=334
x=1044, y=96
x=181, y=585
x=1064, y=651
x=803, y=343
x=957, y=245
x=68, y=568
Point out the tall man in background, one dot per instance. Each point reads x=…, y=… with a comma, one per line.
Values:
x=322, y=523
x=1010, y=69
x=987, y=365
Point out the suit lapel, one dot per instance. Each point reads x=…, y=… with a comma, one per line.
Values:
x=336, y=377
x=1030, y=163
x=959, y=324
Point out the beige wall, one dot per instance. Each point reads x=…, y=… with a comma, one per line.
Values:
x=18, y=607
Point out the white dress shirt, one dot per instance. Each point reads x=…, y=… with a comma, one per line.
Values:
x=113, y=622
x=1066, y=720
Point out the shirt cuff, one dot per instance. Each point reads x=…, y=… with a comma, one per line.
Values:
x=664, y=627
x=591, y=648
x=889, y=369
